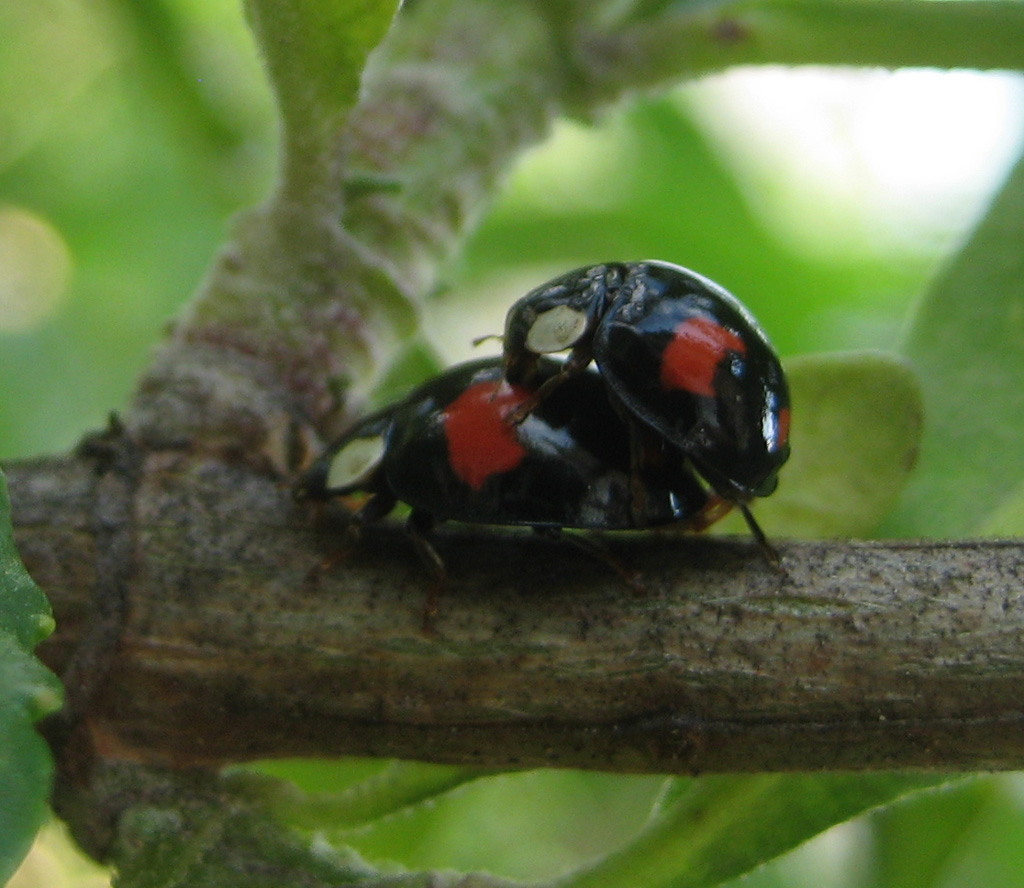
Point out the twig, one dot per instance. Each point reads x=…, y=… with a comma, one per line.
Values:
x=236, y=646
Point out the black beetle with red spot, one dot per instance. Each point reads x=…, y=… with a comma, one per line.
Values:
x=450, y=451
x=683, y=358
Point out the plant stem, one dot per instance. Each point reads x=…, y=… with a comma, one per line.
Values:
x=693, y=40
x=236, y=645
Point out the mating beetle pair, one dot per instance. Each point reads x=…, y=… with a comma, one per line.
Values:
x=683, y=358
x=687, y=387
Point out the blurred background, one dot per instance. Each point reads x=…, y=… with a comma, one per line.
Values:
x=131, y=131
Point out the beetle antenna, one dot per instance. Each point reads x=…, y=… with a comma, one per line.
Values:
x=481, y=339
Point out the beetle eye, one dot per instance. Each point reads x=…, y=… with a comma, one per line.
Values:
x=353, y=465
x=556, y=329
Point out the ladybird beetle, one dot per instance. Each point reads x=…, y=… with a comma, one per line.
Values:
x=450, y=452
x=683, y=358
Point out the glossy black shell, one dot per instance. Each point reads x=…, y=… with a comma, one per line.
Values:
x=736, y=429
x=573, y=469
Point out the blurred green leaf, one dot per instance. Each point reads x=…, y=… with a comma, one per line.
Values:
x=315, y=53
x=320, y=775
x=714, y=828
x=1008, y=519
x=28, y=691
x=134, y=184
x=394, y=786
x=162, y=36
x=24, y=611
x=967, y=344
x=856, y=425
x=916, y=841
x=857, y=420
x=525, y=826
x=990, y=846
x=650, y=184
x=417, y=361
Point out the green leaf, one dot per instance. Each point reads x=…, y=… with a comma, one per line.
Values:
x=416, y=361
x=1008, y=519
x=916, y=843
x=709, y=830
x=856, y=424
x=28, y=691
x=315, y=52
x=395, y=786
x=967, y=344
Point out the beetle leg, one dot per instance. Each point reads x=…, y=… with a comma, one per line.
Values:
x=418, y=528
x=637, y=488
x=596, y=550
x=576, y=363
x=715, y=509
x=643, y=453
x=376, y=507
x=766, y=547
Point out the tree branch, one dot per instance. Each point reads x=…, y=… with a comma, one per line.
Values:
x=236, y=643
x=691, y=40
x=317, y=288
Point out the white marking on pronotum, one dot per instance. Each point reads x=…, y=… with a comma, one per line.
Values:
x=355, y=462
x=556, y=329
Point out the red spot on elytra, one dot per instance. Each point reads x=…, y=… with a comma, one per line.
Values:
x=783, y=426
x=481, y=442
x=691, y=358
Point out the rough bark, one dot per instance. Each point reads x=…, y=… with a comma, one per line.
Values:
x=203, y=626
